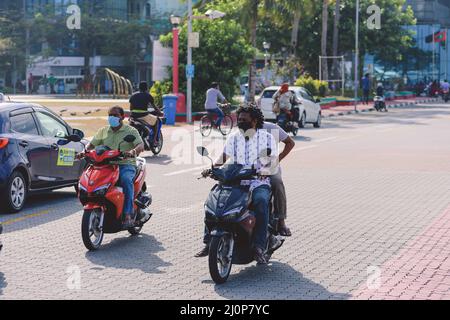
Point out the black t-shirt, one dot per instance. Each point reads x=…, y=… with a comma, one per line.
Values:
x=380, y=91
x=141, y=101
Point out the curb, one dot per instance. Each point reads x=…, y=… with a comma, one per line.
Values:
x=398, y=105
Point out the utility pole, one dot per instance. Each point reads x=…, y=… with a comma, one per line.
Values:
x=356, y=53
x=27, y=44
x=189, y=63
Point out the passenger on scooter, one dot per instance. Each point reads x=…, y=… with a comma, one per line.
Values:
x=287, y=101
x=139, y=103
x=276, y=180
x=113, y=136
x=244, y=147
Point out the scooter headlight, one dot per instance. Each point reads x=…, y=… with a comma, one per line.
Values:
x=232, y=214
x=101, y=191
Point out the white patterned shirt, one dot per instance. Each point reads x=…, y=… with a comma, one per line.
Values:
x=245, y=151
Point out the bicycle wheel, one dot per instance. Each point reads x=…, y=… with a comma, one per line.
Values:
x=226, y=126
x=205, y=126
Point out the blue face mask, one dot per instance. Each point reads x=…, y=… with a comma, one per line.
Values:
x=114, y=121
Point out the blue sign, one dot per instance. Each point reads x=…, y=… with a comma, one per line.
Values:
x=190, y=71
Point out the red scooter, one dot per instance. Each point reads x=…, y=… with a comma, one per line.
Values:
x=103, y=198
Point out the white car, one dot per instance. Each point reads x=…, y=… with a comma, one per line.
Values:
x=310, y=111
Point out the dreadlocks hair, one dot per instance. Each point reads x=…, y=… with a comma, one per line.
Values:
x=255, y=114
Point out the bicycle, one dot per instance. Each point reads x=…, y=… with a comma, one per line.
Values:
x=207, y=122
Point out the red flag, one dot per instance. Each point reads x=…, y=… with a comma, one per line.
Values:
x=440, y=36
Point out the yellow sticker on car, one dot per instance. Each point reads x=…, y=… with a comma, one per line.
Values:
x=66, y=157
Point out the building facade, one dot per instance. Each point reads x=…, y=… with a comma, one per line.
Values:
x=67, y=64
x=432, y=16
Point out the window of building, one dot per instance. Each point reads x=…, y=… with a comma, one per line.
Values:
x=148, y=10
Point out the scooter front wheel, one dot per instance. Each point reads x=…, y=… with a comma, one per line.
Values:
x=220, y=260
x=92, y=229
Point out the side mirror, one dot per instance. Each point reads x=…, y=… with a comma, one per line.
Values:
x=74, y=138
x=203, y=151
x=78, y=133
x=130, y=138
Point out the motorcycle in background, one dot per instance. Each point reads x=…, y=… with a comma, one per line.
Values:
x=379, y=103
x=149, y=133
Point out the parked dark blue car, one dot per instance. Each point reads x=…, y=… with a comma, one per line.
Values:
x=34, y=154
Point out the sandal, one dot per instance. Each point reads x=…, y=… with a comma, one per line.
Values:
x=284, y=231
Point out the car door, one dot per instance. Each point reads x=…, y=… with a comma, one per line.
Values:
x=64, y=167
x=267, y=103
x=311, y=107
x=32, y=146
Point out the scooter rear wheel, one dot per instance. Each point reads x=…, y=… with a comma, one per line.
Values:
x=219, y=262
x=135, y=230
x=91, y=232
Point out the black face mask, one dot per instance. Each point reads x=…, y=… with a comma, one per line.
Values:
x=244, y=125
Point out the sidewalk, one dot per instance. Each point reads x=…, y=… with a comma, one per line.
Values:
x=350, y=109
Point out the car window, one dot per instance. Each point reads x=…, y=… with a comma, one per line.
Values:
x=306, y=95
x=24, y=123
x=268, y=94
x=50, y=126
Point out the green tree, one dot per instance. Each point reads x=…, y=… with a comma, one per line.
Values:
x=386, y=43
x=223, y=52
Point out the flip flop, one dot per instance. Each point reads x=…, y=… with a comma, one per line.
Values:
x=285, y=232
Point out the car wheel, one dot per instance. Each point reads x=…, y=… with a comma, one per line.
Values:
x=16, y=192
x=302, y=122
x=318, y=123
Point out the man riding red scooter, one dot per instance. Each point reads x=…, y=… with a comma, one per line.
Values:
x=112, y=188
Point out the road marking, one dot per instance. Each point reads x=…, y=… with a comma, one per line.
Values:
x=29, y=216
x=326, y=139
x=304, y=148
x=183, y=171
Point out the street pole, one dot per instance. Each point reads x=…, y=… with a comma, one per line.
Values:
x=27, y=45
x=175, y=60
x=434, y=57
x=189, y=63
x=356, y=53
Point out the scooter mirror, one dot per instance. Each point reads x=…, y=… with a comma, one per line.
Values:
x=203, y=151
x=130, y=138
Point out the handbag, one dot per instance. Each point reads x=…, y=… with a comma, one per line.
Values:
x=276, y=107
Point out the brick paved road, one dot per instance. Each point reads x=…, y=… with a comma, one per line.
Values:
x=366, y=191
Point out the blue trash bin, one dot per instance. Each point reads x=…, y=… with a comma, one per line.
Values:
x=170, y=108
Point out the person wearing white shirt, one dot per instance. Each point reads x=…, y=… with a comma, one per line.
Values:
x=244, y=147
x=276, y=180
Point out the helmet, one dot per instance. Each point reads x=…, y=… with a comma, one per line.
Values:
x=379, y=84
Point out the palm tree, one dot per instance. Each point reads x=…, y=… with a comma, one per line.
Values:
x=337, y=16
x=298, y=8
x=324, y=36
x=249, y=16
